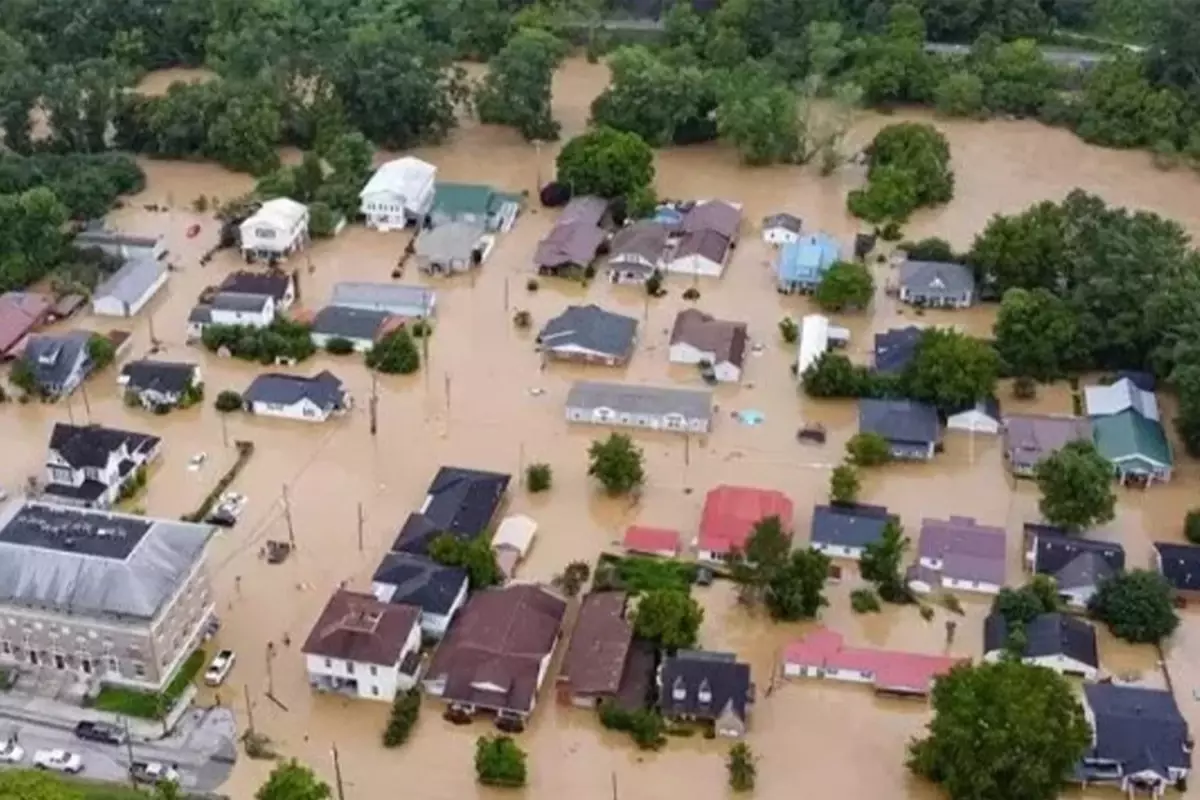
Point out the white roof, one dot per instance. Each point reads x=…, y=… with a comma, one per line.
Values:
x=814, y=340
x=281, y=213
x=1103, y=401
x=516, y=532
x=406, y=177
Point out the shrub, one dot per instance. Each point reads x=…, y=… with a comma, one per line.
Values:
x=789, y=330
x=645, y=726
x=499, y=762
x=573, y=578
x=522, y=319
x=283, y=339
x=891, y=232
x=538, y=477
x=1191, y=526
x=339, y=346
x=691, y=293
x=654, y=283
x=395, y=354
x=868, y=449
x=1024, y=388
x=406, y=708
x=864, y=601
x=531, y=285
x=227, y=401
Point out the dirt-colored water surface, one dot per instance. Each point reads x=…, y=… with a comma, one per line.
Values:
x=471, y=405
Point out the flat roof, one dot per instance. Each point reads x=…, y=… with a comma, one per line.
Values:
x=67, y=530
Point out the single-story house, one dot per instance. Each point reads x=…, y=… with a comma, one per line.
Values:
x=636, y=251
x=896, y=348
x=700, y=685
x=126, y=291
x=713, y=215
x=231, y=308
x=409, y=302
x=824, y=654
x=1076, y=564
x=399, y=193
x=437, y=590
x=359, y=326
x=591, y=335
x=959, y=553
x=594, y=666
x=1180, y=565
x=511, y=542
x=801, y=264
x=451, y=248
x=313, y=399
x=982, y=417
x=278, y=229
x=730, y=514
x=643, y=539
x=460, y=502
x=159, y=384
x=1028, y=438
x=278, y=285
x=911, y=428
x=1061, y=642
x=118, y=244
x=1118, y=397
x=699, y=338
x=781, y=228
x=59, y=362
x=1140, y=741
x=474, y=203
x=844, y=530
x=937, y=285
x=817, y=335
x=20, y=314
x=700, y=252
x=634, y=406
x=575, y=238
x=1136, y=446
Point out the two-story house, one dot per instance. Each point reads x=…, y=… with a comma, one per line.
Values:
x=709, y=687
x=400, y=193
x=161, y=385
x=58, y=362
x=89, y=465
x=231, y=308
x=278, y=229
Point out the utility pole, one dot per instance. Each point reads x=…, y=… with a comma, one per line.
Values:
x=129, y=751
x=506, y=295
x=270, y=671
x=70, y=410
x=447, y=397
x=521, y=465
x=360, y=528
x=153, y=338
x=287, y=515
x=224, y=431
x=373, y=404
x=87, y=408
x=249, y=708
x=337, y=773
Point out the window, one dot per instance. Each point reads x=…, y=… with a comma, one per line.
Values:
x=139, y=669
x=113, y=664
x=6, y=647
x=329, y=663
x=350, y=667
x=375, y=691
x=374, y=671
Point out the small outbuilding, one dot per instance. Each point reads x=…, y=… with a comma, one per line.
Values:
x=782, y=228
x=130, y=288
x=512, y=540
x=983, y=417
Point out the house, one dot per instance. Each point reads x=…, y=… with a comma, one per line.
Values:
x=359, y=326
x=643, y=539
x=1060, y=642
x=700, y=252
x=120, y=245
x=958, y=553
x=717, y=216
x=896, y=348
x=511, y=542
x=459, y=502
x=844, y=530
x=911, y=428
x=982, y=417
x=1142, y=380
x=474, y=203
x=278, y=229
x=20, y=313
x=160, y=384
x=1135, y=445
x=126, y=291
x=90, y=465
x=781, y=228
x=817, y=335
x=1029, y=438
x=1180, y=565
x=586, y=210
x=801, y=264
x=279, y=286
x=452, y=248
x=438, y=591
x=1119, y=397
x=699, y=338
x=823, y=654
x=636, y=251
x=362, y=648
x=697, y=685
x=632, y=406
x=1076, y=564
x=590, y=335
x=936, y=285
x=597, y=654
x=400, y=300
x=58, y=362
x=497, y=653
x=730, y=514
x=575, y=238
x=124, y=600
x=1140, y=741
x=313, y=399
x=231, y=308
x=399, y=193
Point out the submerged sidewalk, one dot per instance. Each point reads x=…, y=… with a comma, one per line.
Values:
x=36, y=710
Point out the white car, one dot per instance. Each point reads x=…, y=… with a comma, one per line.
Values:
x=219, y=667
x=153, y=772
x=58, y=760
x=11, y=753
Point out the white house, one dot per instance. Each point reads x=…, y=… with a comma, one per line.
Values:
x=983, y=417
x=278, y=229
x=699, y=338
x=780, y=229
x=126, y=291
x=400, y=300
x=400, y=193
x=817, y=335
x=160, y=384
x=90, y=465
x=512, y=540
x=633, y=406
x=363, y=648
x=701, y=253
x=439, y=591
x=1061, y=642
x=296, y=397
x=232, y=308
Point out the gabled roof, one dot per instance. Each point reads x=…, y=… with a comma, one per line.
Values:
x=988, y=407
x=454, y=241
x=807, y=258
x=1141, y=729
x=731, y=512
x=707, y=244
x=90, y=445
x=599, y=646
x=281, y=213
x=463, y=501
x=590, y=328
x=1028, y=438
x=890, y=670
x=516, y=532
x=720, y=674
x=628, y=398
x=238, y=301
x=894, y=349
x=271, y=284
x=398, y=298
x=362, y=324
x=1047, y=635
x=168, y=377
x=416, y=535
x=324, y=389
x=52, y=357
x=569, y=243
x=357, y=627
x=724, y=339
x=936, y=279
x=19, y=313
x=420, y=582
x=1180, y=565
x=643, y=539
x=646, y=239
x=1054, y=550
x=968, y=551
x=586, y=209
x=784, y=221
x=713, y=215
x=849, y=525
x=899, y=421
x=458, y=199
x=131, y=282
x=405, y=176
x=1084, y=571
x=1123, y=395
x=1129, y=436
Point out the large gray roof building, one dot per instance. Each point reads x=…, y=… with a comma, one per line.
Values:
x=634, y=406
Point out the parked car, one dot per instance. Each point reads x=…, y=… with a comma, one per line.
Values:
x=153, y=772
x=219, y=667
x=105, y=732
x=58, y=761
x=11, y=752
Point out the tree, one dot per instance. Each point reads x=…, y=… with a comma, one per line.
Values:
x=292, y=781
x=573, y=578
x=1024, y=605
x=929, y=249
x=395, y=354
x=617, y=463
x=763, y=556
x=951, y=370
x=645, y=725
x=796, y=591
x=894, y=67
x=499, y=762
x=880, y=563
x=406, y=708
x=538, y=477
x=846, y=284
x=349, y=155
x=741, y=766
x=835, y=375
x=889, y=196
x=228, y=400
x=101, y=351
x=959, y=94
x=844, y=484
x=1076, y=486
x=1023, y=251
x=27, y=784
x=245, y=134
x=516, y=91
x=909, y=168
x=758, y=114
x=1136, y=606
x=606, y=162
x=1121, y=108
x=650, y=96
x=789, y=330
x=474, y=555
x=669, y=618
x=1036, y=335
x=1016, y=77
x=868, y=450
x=983, y=715
x=1191, y=526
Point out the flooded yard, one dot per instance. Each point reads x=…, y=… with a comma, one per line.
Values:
x=472, y=405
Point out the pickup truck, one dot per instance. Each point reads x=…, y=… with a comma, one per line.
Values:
x=104, y=732
x=153, y=772
x=219, y=667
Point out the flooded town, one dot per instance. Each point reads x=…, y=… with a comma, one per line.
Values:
x=488, y=398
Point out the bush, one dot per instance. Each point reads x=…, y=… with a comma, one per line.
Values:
x=406, y=708
x=645, y=726
x=868, y=450
x=499, y=762
x=150, y=705
x=789, y=330
x=323, y=220
x=227, y=401
x=691, y=293
x=394, y=354
x=929, y=249
x=282, y=340
x=573, y=578
x=1024, y=388
x=864, y=601
x=339, y=346
x=538, y=477
x=891, y=232
x=531, y=285
x=654, y=283
x=522, y=320
x=421, y=329
x=1191, y=526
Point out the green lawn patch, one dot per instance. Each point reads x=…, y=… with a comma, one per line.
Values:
x=643, y=573
x=150, y=705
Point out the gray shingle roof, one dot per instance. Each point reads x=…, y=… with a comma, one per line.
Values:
x=849, y=525
x=168, y=377
x=591, y=328
x=454, y=241
x=635, y=399
x=129, y=283
x=238, y=301
x=936, y=279
x=720, y=674
x=1103, y=401
x=52, y=357
x=899, y=421
x=398, y=298
x=1141, y=729
x=324, y=389
x=789, y=222
x=349, y=323
x=1046, y=635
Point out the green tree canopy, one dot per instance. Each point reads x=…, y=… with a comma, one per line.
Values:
x=499, y=761
x=617, y=463
x=844, y=484
x=868, y=449
x=474, y=555
x=516, y=91
x=395, y=354
x=606, y=162
x=847, y=284
x=293, y=781
x=1136, y=605
x=1076, y=486
x=881, y=563
x=952, y=370
x=1036, y=335
x=650, y=96
x=758, y=114
x=669, y=618
x=27, y=784
x=1024, y=605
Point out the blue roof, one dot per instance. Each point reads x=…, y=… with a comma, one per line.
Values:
x=807, y=258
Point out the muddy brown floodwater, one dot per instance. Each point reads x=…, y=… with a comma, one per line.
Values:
x=472, y=405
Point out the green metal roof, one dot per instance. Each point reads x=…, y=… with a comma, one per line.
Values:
x=1129, y=436
x=457, y=199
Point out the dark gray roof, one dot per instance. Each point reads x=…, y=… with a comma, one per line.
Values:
x=894, y=349
x=324, y=389
x=416, y=534
x=201, y=314
x=463, y=501
x=90, y=445
x=1180, y=565
x=720, y=673
x=271, y=284
x=1047, y=635
x=239, y=301
x=168, y=377
x=645, y=238
x=52, y=357
x=420, y=582
x=1054, y=549
x=592, y=328
x=899, y=421
x=936, y=279
x=1141, y=729
x=349, y=323
x=789, y=222
x=1085, y=570
x=850, y=525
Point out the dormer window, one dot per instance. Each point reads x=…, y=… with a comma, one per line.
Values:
x=705, y=693
x=678, y=690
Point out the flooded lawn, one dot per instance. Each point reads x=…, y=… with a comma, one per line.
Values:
x=472, y=405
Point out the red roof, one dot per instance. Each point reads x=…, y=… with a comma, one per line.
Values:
x=20, y=312
x=642, y=539
x=731, y=512
x=893, y=670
